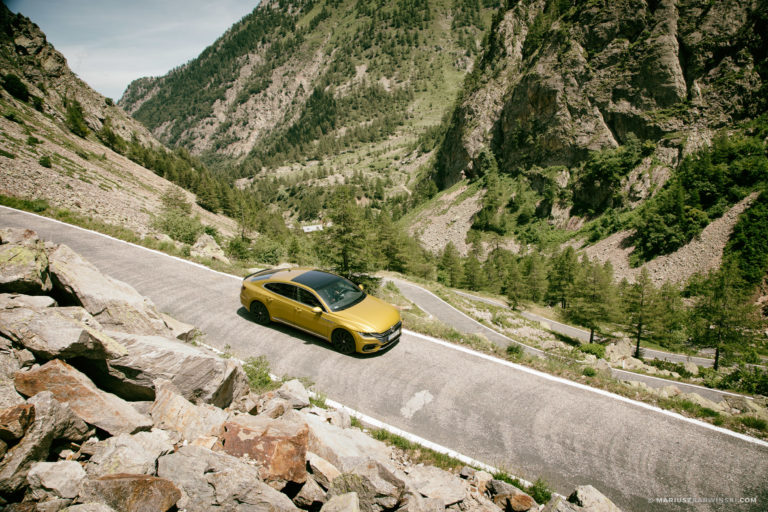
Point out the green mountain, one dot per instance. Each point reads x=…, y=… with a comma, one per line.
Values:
x=309, y=80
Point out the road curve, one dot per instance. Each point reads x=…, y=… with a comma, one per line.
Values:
x=531, y=424
x=451, y=316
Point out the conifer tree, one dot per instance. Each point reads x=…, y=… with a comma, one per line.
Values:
x=594, y=302
x=450, y=265
x=562, y=276
x=346, y=241
x=642, y=304
x=723, y=317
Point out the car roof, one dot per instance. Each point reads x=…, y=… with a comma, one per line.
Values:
x=306, y=276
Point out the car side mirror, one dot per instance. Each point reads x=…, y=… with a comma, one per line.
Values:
x=316, y=310
x=361, y=287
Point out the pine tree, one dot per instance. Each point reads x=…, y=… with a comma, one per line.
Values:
x=450, y=265
x=346, y=241
x=642, y=305
x=513, y=286
x=473, y=273
x=562, y=276
x=723, y=316
x=594, y=302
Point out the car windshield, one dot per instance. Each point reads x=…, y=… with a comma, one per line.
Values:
x=338, y=293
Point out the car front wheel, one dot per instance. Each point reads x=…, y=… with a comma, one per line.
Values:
x=259, y=311
x=343, y=341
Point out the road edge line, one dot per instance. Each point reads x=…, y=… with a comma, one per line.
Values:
x=578, y=385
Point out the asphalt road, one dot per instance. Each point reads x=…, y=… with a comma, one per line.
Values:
x=528, y=423
x=582, y=335
x=451, y=316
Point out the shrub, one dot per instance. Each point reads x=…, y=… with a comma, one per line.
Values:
x=752, y=422
x=745, y=379
x=514, y=350
x=540, y=491
x=45, y=161
x=257, y=371
x=593, y=348
x=32, y=140
x=16, y=87
x=589, y=372
x=75, y=119
x=180, y=227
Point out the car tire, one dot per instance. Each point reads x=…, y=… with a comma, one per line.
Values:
x=260, y=312
x=343, y=341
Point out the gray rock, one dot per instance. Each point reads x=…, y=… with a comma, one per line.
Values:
x=136, y=454
x=171, y=411
x=432, y=482
x=322, y=471
x=15, y=300
x=131, y=493
x=376, y=484
x=53, y=421
x=198, y=377
x=53, y=505
x=311, y=495
x=508, y=497
x=49, y=335
x=208, y=480
x=180, y=330
x=113, y=303
x=342, y=447
x=348, y=502
x=14, y=422
x=90, y=507
x=295, y=393
x=18, y=236
x=590, y=499
x=24, y=269
x=206, y=248
x=415, y=502
x=103, y=410
x=691, y=367
x=9, y=365
x=55, y=479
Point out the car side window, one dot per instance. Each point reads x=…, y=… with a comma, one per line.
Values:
x=308, y=298
x=286, y=290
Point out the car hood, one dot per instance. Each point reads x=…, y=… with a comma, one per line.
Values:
x=371, y=315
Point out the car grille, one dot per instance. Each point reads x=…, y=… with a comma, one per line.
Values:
x=382, y=337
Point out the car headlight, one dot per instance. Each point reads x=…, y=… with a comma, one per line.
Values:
x=367, y=334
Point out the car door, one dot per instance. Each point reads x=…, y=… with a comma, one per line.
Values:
x=307, y=318
x=282, y=303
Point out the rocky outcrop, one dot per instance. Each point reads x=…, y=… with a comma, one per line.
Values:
x=74, y=444
x=207, y=248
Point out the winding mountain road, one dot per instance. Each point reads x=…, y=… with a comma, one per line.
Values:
x=529, y=423
x=449, y=315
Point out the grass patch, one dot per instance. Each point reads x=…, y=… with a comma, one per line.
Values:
x=417, y=453
x=595, y=349
x=7, y=154
x=29, y=205
x=318, y=401
x=539, y=490
x=756, y=423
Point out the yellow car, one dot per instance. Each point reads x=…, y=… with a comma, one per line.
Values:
x=324, y=305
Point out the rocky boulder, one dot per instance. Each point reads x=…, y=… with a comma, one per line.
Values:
x=51, y=480
x=136, y=454
x=206, y=247
x=23, y=263
x=49, y=334
x=197, y=376
x=171, y=411
x=131, y=493
x=209, y=480
x=100, y=409
x=52, y=421
x=113, y=303
x=278, y=446
x=433, y=482
x=377, y=485
x=16, y=300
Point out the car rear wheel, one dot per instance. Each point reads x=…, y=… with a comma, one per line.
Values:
x=259, y=311
x=343, y=341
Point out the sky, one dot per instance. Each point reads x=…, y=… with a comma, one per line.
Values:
x=109, y=43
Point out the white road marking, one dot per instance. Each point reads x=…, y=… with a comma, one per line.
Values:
x=416, y=403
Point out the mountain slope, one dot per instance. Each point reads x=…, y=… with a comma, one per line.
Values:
x=58, y=134
x=312, y=79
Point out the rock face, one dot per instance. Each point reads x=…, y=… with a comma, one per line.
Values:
x=207, y=248
x=556, y=85
x=132, y=493
x=100, y=409
x=198, y=377
x=113, y=303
